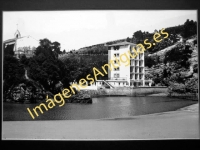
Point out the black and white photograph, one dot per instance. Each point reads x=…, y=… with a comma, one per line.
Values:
x=100, y=75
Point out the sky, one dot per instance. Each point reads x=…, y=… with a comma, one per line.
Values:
x=77, y=29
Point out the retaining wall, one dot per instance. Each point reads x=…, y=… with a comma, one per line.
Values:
x=142, y=91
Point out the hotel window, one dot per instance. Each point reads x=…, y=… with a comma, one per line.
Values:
x=116, y=54
x=116, y=75
x=116, y=47
x=136, y=77
x=141, y=76
x=116, y=69
x=140, y=56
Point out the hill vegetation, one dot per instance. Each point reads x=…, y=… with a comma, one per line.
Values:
x=177, y=68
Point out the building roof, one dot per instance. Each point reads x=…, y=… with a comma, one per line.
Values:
x=123, y=43
x=13, y=39
x=17, y=36
x=10, y=40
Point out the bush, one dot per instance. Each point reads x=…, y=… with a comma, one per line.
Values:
x=195, y=41
x=176, y=87
x=195, y=68
x=149, y=62
x=183, y=53
x=192, y=85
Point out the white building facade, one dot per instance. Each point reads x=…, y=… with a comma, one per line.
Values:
x=130, y=75
x=21, y=45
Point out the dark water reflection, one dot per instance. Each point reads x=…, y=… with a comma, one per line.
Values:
x=105, y=107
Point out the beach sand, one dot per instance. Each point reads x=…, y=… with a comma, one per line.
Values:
x=180, y=124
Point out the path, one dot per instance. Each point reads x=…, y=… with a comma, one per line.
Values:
x=26, y=76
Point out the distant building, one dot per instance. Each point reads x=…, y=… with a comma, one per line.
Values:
x=132, y=75
x=21, y=45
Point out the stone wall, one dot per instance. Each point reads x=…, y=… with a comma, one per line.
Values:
x=142, y=91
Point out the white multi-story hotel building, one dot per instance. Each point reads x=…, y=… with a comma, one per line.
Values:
x=130, y=72
x=131, y=75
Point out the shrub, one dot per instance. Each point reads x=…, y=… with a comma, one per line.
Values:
x=192, y=85
x=176, y=87
x=149, y=61
x=195, y=68
x=195, y=41
x=183, y=53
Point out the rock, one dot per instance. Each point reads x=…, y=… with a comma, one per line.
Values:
x=80, y=97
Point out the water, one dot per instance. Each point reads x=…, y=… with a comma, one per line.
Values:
x=105, y=107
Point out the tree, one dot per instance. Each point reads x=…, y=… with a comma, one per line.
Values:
x=45, y=43
x=195, y=68
x=128, y=39
x=46, y=47
x=56, y=47
x=157, y=59
x=183, y=53
x=8, y=50
x=189, y=28
x=13, y=72
x=149, y=61
x=138, y=35
x=45, y=67
x=24, y=60
x=165, y=73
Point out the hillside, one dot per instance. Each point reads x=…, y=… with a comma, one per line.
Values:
x=179, y=72
x=173, y=62
x=159, y=68
x=99, y=48
x=184, y=30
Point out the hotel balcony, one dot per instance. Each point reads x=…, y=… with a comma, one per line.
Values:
x=120, y=78
x=136, y=62
x=141, y=62
x=132, y=70
x=132, y=62
x=141, y=56
x=141, y=72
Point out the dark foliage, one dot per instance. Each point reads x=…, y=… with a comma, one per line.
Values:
x=188, y=29
x=79, y=66
x=180, y=54
x=8, y=50
x=13, y=72
x=149, y=61
x=195, y=68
